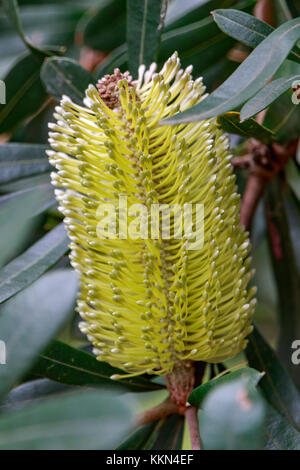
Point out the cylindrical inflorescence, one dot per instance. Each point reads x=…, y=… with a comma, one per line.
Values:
x=149, y=302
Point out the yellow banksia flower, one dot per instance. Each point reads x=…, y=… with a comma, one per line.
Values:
x=149, y=304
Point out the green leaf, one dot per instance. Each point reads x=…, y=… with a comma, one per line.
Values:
x=233, y=418
x=199, y=43
x=207, y=57
x=12, y=11
x=145, y=21
x=31, y=201
x=103, y=27
x=117, y=59
x=82, y=421
x=20, y=160
x=246, y=28
x=32, y=392
x=30, y=320
x=25, y=92
x=25, y=183
x=292, y=207
x=281, y=11
x=293, y=177
x=71, y=366
x=195, y=37
x=230, y=122
x=180, y=14
x=266, y=96
x=16, y=208
x=283, y=116
x=276, y=385
x=65, y=76
x=188, y=37
x=34, y=262
x=294, y=7
x=285, y=272
x=251, y=377
x=43, y=24
x=140, y=438
x=280, y=434
x=248, y=78
x=167, y=435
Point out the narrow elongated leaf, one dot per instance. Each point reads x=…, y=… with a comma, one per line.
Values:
x=281, y=435
x=43, y=24
x=82, y=421
x=25, y=92
x=181, y=14
x=190, y=37
x=12, y=10
x=65, y=76
x=25, y=183
x=233, y=418
x=145, y=20
x=231, y=123
x=29, y=266
x=267, y=95
x=21, y=160
x=246, y=28
x=292, y=207
x=117, y=59
x=33, y=392
x=276, y=385
x=67, y=365
x=248, y=78
x=251, y=377
x=103, y=27
x=95, y=27
x=140, y=437
x=293, y=177
x=285, y=273
x=15, y=209
x=167, y=435
x=283, y=116
x=32, y=200
x=197, y=41
x=30, y=320
x=207, y=57
x=294, y=7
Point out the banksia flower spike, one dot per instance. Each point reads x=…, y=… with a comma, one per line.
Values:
x=150, y=305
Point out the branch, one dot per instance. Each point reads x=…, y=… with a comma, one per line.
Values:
x=168, y=407
x=90, y=58
x=254, y=190
x=191, y=416
x=266, y=163
x=264, y=10
x=180, y=383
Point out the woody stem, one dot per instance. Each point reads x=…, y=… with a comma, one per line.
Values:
x=168, y=407
x=191, y=416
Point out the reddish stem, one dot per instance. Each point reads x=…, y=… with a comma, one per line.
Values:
x=191, y=415
x=264, y=10
x=253, y=192
x=166, y=408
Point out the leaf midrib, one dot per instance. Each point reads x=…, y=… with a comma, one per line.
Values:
x=89, y=372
